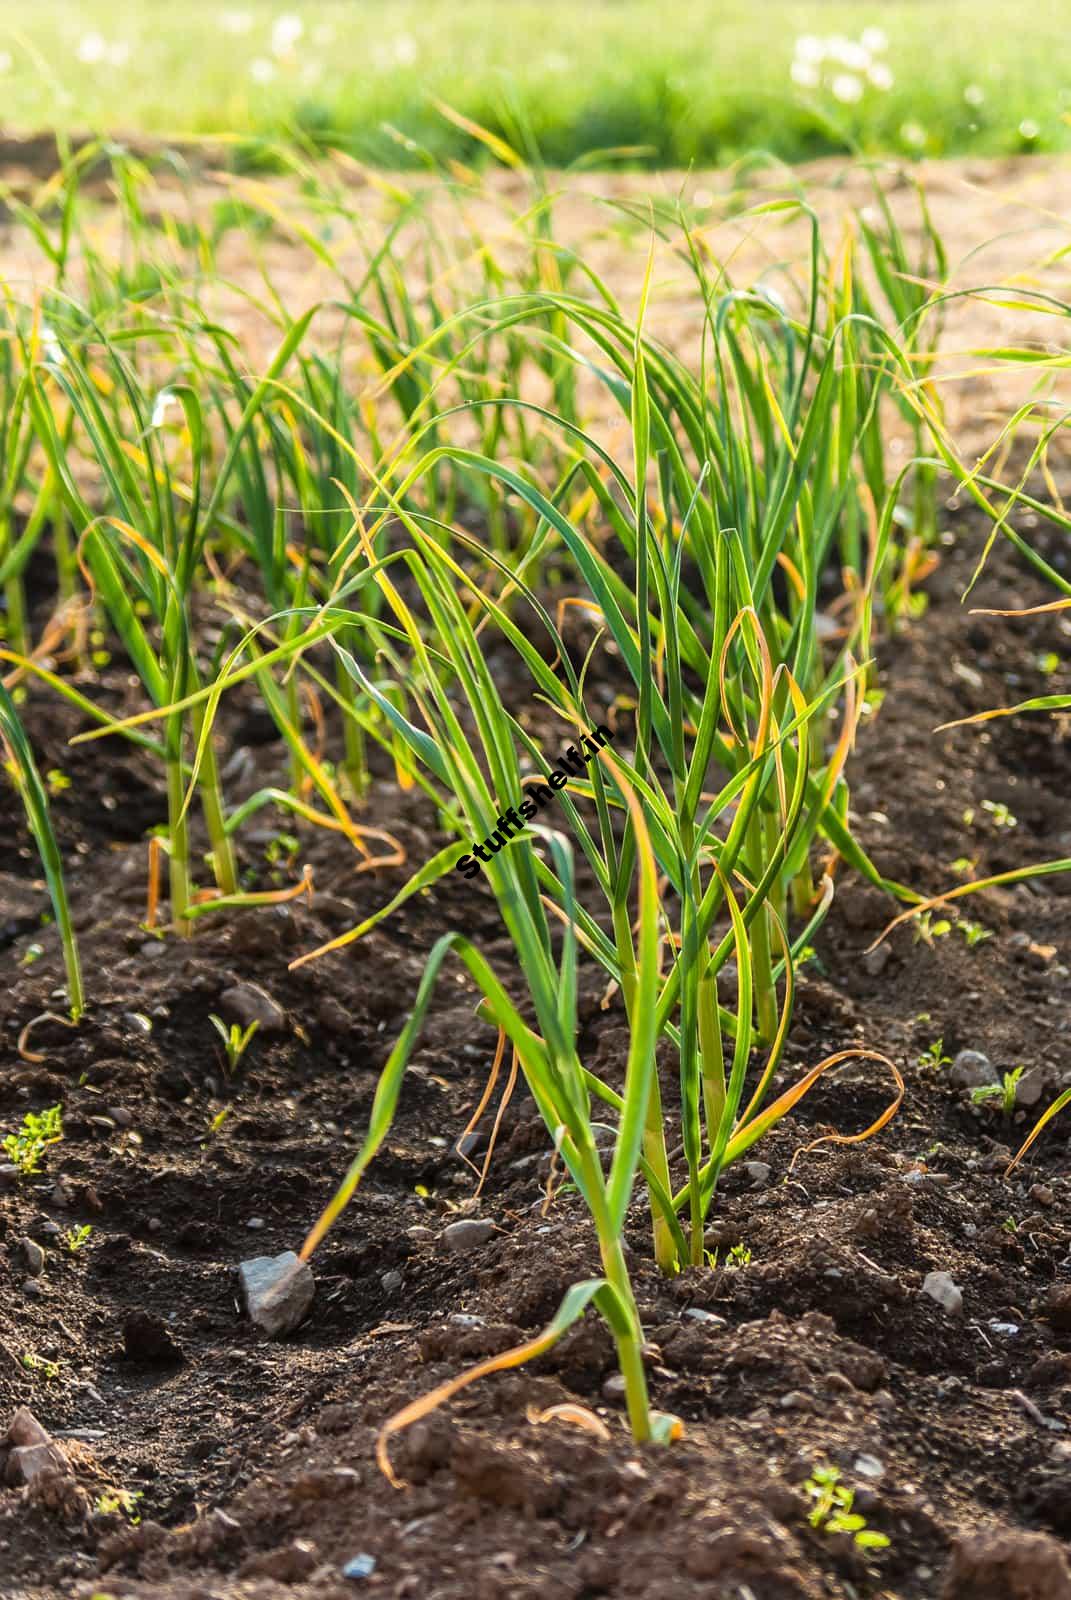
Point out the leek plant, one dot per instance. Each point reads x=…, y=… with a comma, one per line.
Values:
x=23, y=771
x=693, y=837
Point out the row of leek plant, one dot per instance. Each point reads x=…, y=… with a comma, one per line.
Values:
x=695, y=838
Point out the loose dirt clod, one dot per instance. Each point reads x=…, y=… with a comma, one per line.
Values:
x=278, y=1291
x=1007, y=1565
x=247, y=1003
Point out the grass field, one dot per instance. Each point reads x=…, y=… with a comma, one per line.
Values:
x=810, y=79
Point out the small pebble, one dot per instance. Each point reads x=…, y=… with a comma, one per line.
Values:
x=391, y=1281
x=256, y=1223
x=470, y=1234
x=710, y=1319
x=868, y=1466
x=35, y=1257
x=948, y=1295
x=972, y=1070
x=358, y=1567
x=1042, y=1195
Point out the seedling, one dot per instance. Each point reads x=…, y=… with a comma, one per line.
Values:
x=236, y=1039
x=832, y=1511
x=738, y=1256
x=77, y=1238
x=934, y=1056
x=119, y=1500
x=1004, y=1091
x=1002, y=817
x=927, y=929
x=38, y=1364
x=215, y=1123
x=39, y=1130
x=973, y=932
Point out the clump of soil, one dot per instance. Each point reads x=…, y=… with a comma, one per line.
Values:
x=248, y=1464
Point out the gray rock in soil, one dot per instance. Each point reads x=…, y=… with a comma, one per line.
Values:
x=1031, y=1086
x=471, y=1233
x=758, y=1172
x=948, y=1295
x=24, y=1428
x=709, y=1319
x=972, y=1070
x=34, y=1257
x=32, y=1450
x=29, y=1461
x=875, y=961
x=391, y=1281
x=248, y=1002
x=277, y=1291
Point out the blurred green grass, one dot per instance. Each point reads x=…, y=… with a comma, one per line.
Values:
x=701, y=82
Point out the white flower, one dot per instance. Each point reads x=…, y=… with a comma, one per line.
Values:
x=810, y=48
x=54, y=356
x=405, y=50
x=236, y=21
x=913, y=133
x=285, y=33
x=260, y=70
x=880, y=76
x=974, y=94
x=805, y=74
x=164, y=401
x=846, y=51
x=874, y=40
x=849, y=54
x=92, y=47
x=1028, y=129
x=6, y=61
x=847, y=88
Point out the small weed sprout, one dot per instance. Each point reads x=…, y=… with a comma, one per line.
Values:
x=934, y=1056
x=1004, y=1091
x=1002, y=817
x=38, y=1131
x=119, y=1500
x=739, y=1256
x=35, y=1363
x=77, y=1238
x=236, y=1039
x=927, y=929
x=973, y=932
x=832, y=1511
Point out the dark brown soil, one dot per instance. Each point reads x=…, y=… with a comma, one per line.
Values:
x=252, y=1461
